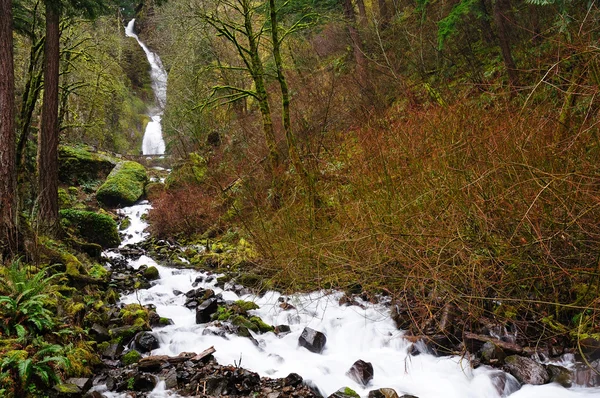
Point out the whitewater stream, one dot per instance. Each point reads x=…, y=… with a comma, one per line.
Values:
x=353, y=333
x=153, y=143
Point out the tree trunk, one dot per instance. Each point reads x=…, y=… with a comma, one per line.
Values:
x=8, y=179
x=305, y=177
x=359, y=56
x=501, y=9
x=258, y=75
x=362, y=12
x=48, y=137
x=384, y=14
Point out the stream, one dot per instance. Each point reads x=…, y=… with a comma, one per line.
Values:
x=364, y=331
x=353, y=332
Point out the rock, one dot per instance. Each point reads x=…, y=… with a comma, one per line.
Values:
x=145, y=342
x=504, y=383
x=526, y=370
x=151, y=273
x=170, y=378
x=344, y=392
x=383, y=393
x=67, y=390
x=491, y=354
x=401, y=315
x=77, y=165
x=84, y=383
x=99, y=333
x=124, y=185
x=312, y=340
x=113, y=351
x=131, y=357
x=560, y=375
x=292, y=380
x=91, y=226
x=282, y=330
x=205, y=310
x=144, y=382
x=361, y=372
x=216, y=386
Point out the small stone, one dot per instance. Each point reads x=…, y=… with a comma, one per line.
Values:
x=383, y=393
x=282, y=330
x=361, y=372
x=560, y=375
x=293, y=380
x=312, y=340
x=205, y=310
x=344, y=392
x=84, y=383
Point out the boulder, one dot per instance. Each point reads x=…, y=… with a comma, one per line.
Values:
x=526, y=370
x=361, y=372
x=560, y=375
x=67, y=390
x=383, y=393
x=491, y=354
x=131, y=357
x=292, y=380
x=312, y=340
x=151, y=273
x=145, y=342
x=124, y=185
x=206, y=309
x=99, y=333
x=84, y=383
x=94, y=227
x=78, y=166
x=144, y=382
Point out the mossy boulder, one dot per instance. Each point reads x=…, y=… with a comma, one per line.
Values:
x=124, y=186
x=151, y=273
x=191, y=171
x=93, y=227
x=131, y=357
x=79, y=166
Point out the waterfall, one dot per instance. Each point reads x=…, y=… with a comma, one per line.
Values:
x=153, y=143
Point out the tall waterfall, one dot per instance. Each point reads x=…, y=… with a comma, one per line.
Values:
x=153, y=143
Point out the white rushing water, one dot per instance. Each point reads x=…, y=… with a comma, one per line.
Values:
x=153, y=143
x=352, y=332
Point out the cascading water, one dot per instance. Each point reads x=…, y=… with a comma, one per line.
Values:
x=353, y=332
x=153, y=143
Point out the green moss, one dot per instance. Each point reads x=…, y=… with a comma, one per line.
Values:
x=131, y=357
x=192, y=171
x=67, y=389
x=98, y=271
x=254, y=323
x=64, y=199
x=132, y=312
x=262, y=326
x=350, y=392
x=78, y=165
x=245, y=306
x=93, y=227
x=151, y=273
x=125, y=223
x=124, y=186
x=164, y=321
x=223, y=313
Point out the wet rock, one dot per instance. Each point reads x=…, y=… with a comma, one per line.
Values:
x=191, y=303
x=504, y=383
x=131, y=357
x=383, y=393
x=560, y=375
x=216, y=386
x=170, y=378
x=282, y=330
x=361, y=372
x=145, y=342
x=205, y=310
x=526, y=370
x=293, y=380
x=344, y=392
x=152, y=363
x=84, y=383
x=312, y=340
x=144, y=382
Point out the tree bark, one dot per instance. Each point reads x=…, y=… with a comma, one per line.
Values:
x=501, y=10
x=8, y=179
x=362, y=12
x=359, y=56
x=384, y=13
x=49, y=134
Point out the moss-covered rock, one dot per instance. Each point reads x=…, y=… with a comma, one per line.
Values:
x=154, y=189
x=151, y=273
x=78, y=165
x=124, y=186
x=131, y=357
x=93, y=227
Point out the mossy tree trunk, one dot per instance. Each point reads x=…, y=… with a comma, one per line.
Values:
x=8, y=180
x=501, y=11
